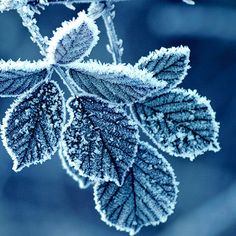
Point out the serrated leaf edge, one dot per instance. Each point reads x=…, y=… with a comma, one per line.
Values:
x=73, y=164
x=126, y=229
x=66, y=28
x=4, y=126
x=215, y=146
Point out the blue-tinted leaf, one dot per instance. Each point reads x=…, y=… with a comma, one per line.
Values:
x=18, y=77
x=180, y=122
x=73, y=41
x=83, y=182
x=115, y=83
x=169, y=65
x=32, y=126
x=100, y=140
x=147, y=197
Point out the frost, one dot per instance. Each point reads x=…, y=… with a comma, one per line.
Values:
x=99, y=141
x=190, y=2
x=169, y=65
x=147, y=197
x=83, y=182
x=115, y=83
x=7, y=5
x=186, y=127
x=73, y=41
x=32, y=126
x=20, y=76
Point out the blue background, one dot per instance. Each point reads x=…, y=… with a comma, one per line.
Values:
x=43, y=200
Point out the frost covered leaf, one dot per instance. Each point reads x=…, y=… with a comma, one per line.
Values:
x=169, y=65
x=83, y=182
x=73, y=41
x=32, y=126
x=18, y=77
x=181, y=122
x=115, y=83
x=147, y=197
x=100, y=140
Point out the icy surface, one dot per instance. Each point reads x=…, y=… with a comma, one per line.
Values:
x=20, y=76
x=73, y=41
x=181, y=122
x=83, y=182
x=115, y=83
x=100, y=140
x=147, y=197
x=167, y=64
x=32, y=126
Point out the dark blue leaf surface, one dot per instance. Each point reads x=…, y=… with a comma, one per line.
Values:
x=19, y=77
x=115, y=83
x=147, y=197
x=167, y=64
x=100, y=140
x=180, y=122
x=32, y=126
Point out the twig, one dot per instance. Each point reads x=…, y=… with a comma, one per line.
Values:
x=115, y=45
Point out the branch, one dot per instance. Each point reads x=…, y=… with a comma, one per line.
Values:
x=115, y=45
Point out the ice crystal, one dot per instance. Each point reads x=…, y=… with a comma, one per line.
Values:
x=134, y=185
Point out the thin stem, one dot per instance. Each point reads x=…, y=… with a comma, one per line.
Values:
x=30, y=23
x=115, y=45
x=68, y=81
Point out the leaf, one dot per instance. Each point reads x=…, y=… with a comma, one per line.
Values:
x=180, y=122
x=147, y=197
x=100, y=140
x=32, y=126
x=83, y=182
x=169, y=65
x=115, y=83
x=19, y=77
x=73, y=41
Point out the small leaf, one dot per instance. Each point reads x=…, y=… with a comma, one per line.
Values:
x=147, y=197
x=169, y=65
x=180, y=122
x=115, y=83
x=83, y=182
x=73, y=41
x=100, y=140
x=32, y=126
x=19, y=77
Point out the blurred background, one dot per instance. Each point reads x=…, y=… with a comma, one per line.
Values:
x=44, y=201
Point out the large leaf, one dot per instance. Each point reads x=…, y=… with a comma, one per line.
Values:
x=169, y=65
x=100, y=140
x=19, y=77
x=147, y=197
x=83, y=182
x=32, y=126
x=73, y=41
x=180, y=122
x=115, y=83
